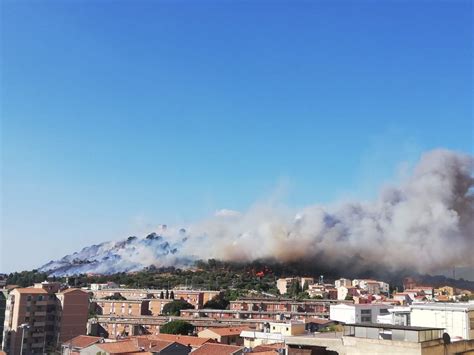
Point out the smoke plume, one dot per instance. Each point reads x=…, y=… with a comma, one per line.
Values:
x=425, y=223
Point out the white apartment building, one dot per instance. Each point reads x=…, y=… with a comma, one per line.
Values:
x=342, y=282
x=357, y=313
x=371, y=286
x=456, y=318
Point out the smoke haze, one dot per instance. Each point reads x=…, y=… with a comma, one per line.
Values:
x=424, y=224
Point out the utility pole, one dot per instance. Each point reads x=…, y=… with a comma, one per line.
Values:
x=23, y=326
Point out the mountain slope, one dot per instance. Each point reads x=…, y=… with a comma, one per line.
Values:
x=131, y=254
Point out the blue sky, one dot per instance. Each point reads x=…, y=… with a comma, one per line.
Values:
x=118, y=116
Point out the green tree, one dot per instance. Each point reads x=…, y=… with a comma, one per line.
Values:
x=218, y=302
x=305, y=286
x=177, y=327
x=173, y=308
x=294, y=289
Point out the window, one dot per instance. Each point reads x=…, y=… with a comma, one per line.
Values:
x=366, y=319
x=28, y=298
x=384, y=311
x=366, y=311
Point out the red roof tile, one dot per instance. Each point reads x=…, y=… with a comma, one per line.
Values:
x=227, y=331
x=216, y=349
x=181, y=339
x=82, y=341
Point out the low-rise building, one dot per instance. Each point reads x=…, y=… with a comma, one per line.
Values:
x=272, y=332
x=457, y=319
x=378, y=339
x=224, y=335
x=397, y=316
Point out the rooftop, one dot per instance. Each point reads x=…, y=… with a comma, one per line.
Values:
x=390, y=326
x=448, y=306
x=82, y=341
x=226, y=331
x=32, y=290
x=217, y=349
x=181, y=339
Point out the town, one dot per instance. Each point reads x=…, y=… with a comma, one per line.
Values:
x=307, y=316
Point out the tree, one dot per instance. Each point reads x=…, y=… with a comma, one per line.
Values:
x=173, y=308
x=294, y=289
x=305, y=286
x=217, y=302
x=177, y=327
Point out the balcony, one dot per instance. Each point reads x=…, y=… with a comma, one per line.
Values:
x=40, y=313
x=41, y=303
x=37, y=345
x=38, y=335
x=39, y=324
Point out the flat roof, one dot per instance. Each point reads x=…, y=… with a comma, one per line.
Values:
x=390, y=326
x=449, y=306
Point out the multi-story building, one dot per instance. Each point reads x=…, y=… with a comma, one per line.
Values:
x=342, y=282
x=281, y=305
x=284, y=283
x=122, y=307
x=3, y=306
x=157, y=305
x=37, y=318
x=371, y=286
x=347, y=291
x=195, y=297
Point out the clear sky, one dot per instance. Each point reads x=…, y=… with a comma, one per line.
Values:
x=120, y=115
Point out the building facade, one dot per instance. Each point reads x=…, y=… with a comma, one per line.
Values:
x=37, y=318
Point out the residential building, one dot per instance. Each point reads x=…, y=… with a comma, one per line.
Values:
x=156, y=305
x=358, y=313
x=75, y=345
x=224, y=335
x=457, y=319
x=42, y=316
x=343, y=292
x=272, y=332
x=107, y=285
x=3, y=306
x=342, y=282
x=136, y=346
x=283, y=284
x=122, y=307
x=72, y=312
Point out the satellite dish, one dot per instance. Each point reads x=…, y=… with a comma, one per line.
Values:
x=446, y=339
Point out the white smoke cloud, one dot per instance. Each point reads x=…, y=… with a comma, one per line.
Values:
x=424, y=223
